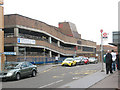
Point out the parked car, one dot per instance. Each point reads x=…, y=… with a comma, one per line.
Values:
x=17, y=70
x=79, y=60
x=85, y=59
x=93, y=60
x=69, y=62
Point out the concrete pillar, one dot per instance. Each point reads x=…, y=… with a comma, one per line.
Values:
x=2, y=56
x=50, y=53
x=16, y=50
x=58, y=43
x=50, y=40
x=2, y=59
x=16, y=32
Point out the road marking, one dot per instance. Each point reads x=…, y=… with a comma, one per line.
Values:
x=86, y=73
x=75, y=78
x=51, y=84
x=63, y=74
x=55, y=76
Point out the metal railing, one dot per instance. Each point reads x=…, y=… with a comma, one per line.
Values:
x=40, y=60
x=8, y=35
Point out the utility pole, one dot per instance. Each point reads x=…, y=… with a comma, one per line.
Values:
x=2, y=56
x=102, y=49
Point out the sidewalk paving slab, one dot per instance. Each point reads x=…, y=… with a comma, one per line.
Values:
x=86, y=81
x=109, y=82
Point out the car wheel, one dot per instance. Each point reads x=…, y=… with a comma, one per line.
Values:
x=34, y=73
x=18, y=77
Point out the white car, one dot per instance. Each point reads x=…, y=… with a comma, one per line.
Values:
x=93, y=60
x=79, y=60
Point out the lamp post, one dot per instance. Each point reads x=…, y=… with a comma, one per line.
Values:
x=102, y=49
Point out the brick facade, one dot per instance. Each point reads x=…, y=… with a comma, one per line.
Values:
x=63, y=34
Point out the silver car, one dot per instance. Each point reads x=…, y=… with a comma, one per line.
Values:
x=79, y=60
x=17, y=70
x=93, y=60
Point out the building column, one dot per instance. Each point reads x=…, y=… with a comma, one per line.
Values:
x=58, y=43
x=50, y=53
x=16, y=50
x=16, y=32
x=2, y=56
x=50, y=40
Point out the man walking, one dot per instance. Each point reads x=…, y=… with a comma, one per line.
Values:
x=108, y=59
x=114, y=60
x=56, y=60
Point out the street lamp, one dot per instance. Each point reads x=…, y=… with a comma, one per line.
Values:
x=102, y=49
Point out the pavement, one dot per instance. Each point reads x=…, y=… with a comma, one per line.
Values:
x=95, y=80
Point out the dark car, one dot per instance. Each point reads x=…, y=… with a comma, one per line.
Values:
x=17, y=70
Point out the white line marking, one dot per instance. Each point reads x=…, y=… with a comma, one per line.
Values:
x=51, y=84
x=75, y=78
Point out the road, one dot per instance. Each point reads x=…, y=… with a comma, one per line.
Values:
x=54, y=77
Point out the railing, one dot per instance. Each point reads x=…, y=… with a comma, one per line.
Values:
x=36, y=38
x=40, y=60
x=8, y=35
x=33, y=54
x=32, y=37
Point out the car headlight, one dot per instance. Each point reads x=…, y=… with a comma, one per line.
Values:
x=9, y=73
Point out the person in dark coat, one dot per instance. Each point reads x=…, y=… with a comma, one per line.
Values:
x=117, y=61
x=108, y=59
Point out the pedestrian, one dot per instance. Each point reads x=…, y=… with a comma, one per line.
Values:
x=108, y=59
x=117, y=61
x=114, y=60
x=56, y=60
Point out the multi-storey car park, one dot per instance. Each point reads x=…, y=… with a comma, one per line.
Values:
x=32, y=38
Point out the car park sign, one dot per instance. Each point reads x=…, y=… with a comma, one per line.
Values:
x=9, y=53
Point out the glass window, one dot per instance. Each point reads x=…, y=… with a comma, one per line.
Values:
x=24, y=65
x=29, y=64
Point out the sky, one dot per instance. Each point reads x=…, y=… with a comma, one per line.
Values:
x=89, y=16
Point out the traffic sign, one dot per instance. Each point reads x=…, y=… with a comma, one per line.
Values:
x=101, y=30
x=105, y=35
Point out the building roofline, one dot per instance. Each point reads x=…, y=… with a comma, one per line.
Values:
x=31, y=19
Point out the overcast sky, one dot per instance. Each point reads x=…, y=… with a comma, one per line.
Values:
x=89, y=16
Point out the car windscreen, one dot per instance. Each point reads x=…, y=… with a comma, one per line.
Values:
x=91, y=58
x=77, y=58
x=11, y=65
x=69, y=59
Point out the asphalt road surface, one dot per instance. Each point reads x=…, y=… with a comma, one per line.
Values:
x=54, y=77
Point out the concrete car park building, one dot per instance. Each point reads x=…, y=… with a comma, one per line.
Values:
x=32, y=38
